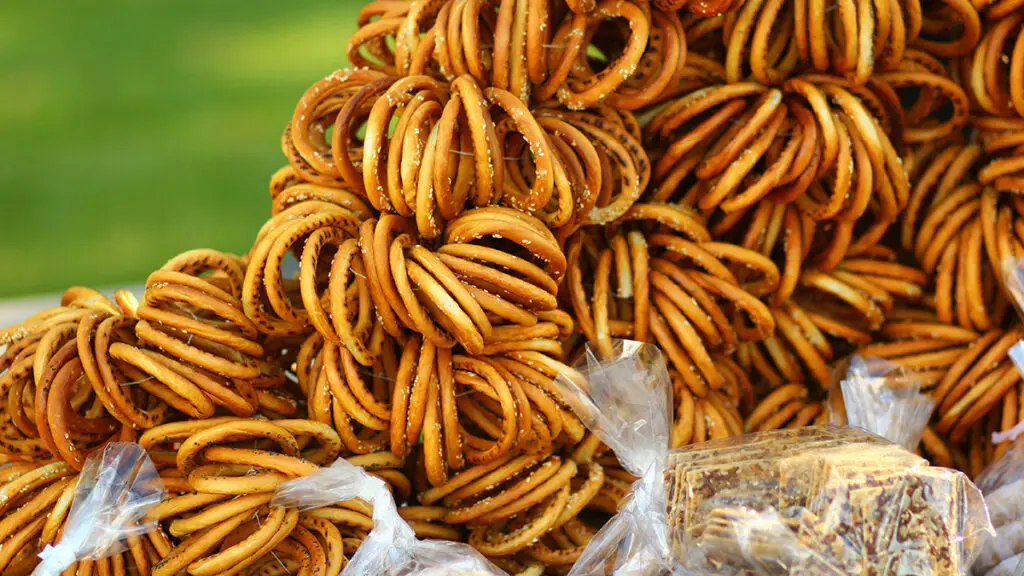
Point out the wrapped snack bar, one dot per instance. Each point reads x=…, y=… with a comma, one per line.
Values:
x=1003, y=485
x=391, y=548
x=1002, y=481
x=816, y=500
x=881, y=397
x=820, y=500
x=115, y=489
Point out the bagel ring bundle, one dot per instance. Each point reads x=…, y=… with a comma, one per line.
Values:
x=758, y=187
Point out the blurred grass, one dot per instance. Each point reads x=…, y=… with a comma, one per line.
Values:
x=131, y=131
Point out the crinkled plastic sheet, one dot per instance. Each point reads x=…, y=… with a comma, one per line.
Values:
x=115, y=489
x=883, y=398
x=391, y=548
x=818, y=500
x=626, y=401
x=1003, y=485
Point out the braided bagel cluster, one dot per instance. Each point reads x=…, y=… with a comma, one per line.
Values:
x=758, y=187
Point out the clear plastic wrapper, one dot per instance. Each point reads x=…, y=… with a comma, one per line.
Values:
x=1003, y=485
x=115, y=489
x=626, y=401
x=814, y=500
x=882, y=398
x=820, y=500
x=391, y=548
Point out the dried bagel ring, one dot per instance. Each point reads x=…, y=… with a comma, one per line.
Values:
x=264, y=287
x=952, y=224
x=533, y=486
x=919, y=342
x=935, y=449
x=368, y=47
x=348, y=518
x=799, y=351
x=428, y=522
x=553, y=422
x=28, y=495
x=585, y=87
x=76, y=303
x=1002, y=139
x=439, y=303
x=581, y=160
x=188, y=389
x=993, y=72
x=19, y=437
x=529, y=152
x=160, y=442
x=462, y=31
x=304, y=140
x=392, y=168
x=349, y=299
x=622, y=158
x=1004, y=420
x=417, y=373
x=254, y=536
x=507, y=537
x=389, y=468
x=563, y=546
x=787, y=406
x=408, y=37
x=73, y=436
x=659, y=69
x=495, y=414
x=953, y=15
x=976, y=383
x=923, y=80
x=337, y=394
x=525, y=266
x=292, y=192
x=510, y=51
x=697, y=419
x=859, y=291
x=375, y=239
x=49, y=402
x=191, y=318
x=779, y=231
x=625, y=253
x=537, y=371
x=211, y=467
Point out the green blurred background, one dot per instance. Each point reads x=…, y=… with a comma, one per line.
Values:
x=131, y=131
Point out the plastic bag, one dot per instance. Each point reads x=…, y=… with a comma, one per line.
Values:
x=820, y=500
x=1003, y=485
x=883, y=398
x=626, y=401
x=115, y=489
x=391, y=548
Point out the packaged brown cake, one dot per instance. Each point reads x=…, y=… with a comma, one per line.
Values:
x=819, y=500
x=1003, y=485
x=825, y=500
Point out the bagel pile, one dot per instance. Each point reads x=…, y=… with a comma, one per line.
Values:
x=758, y=187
